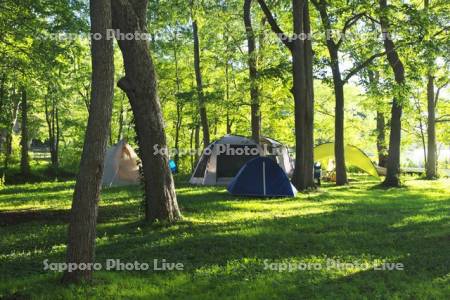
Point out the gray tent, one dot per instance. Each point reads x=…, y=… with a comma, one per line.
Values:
x=222, y=159
x=121, y=165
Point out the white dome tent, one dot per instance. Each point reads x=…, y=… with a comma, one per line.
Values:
x=222, y=159
x=121, y=165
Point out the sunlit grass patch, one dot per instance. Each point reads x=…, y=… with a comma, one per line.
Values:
x=224, y=243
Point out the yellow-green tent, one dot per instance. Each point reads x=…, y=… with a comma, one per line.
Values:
x=353, y=157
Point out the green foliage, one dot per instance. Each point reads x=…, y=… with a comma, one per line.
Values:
x=59, y=71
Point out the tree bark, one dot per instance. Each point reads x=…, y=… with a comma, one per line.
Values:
x=83, y=219
x=381, y=123
x=24, y=158
x=179, y=106
x=302, y=90
x=51, y=117
x=199, y=80
x=253, y=73
x=381, y=139
x=121, y=119
x=309, y=104
x=14, y=113
x=393, y=163
x=333, y=51
x=431, y=162
x=140, y=85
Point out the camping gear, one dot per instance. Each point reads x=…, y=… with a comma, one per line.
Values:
x=317, y=172
x=173, y=166
x=353, y=157
x=121, y=165
x=261, y=177
x=381, y=170
x=222, y=159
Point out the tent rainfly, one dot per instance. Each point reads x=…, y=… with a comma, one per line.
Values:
x=353, y=156
x=261, y=177
x=121, y=165
x=223, y=159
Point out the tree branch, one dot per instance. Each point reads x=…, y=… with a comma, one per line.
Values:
x=349, y=23
x=436, y=97
x=274, y=25
x=362, y=65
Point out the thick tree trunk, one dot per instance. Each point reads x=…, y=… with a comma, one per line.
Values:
x=341, y=172
x=309, y=105
x=381, y=139
x=83, y=219
x=299, y=91
x=302, y=90
x=199, y=80
x=140, y=85
x=24, y=158
x=253, y=73
x=303, y=98
x=431, y=163
x=393, y=163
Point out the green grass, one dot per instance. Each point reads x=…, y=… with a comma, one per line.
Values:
x=223, y=242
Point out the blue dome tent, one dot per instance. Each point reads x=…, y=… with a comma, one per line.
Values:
x=261, y=177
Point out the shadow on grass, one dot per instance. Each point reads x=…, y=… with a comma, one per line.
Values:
x=351, y=223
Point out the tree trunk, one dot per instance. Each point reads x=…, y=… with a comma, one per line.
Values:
x=227, y=100
x=179, y=106
x=2, y=93
x=191, y=142
x=302, y=90
x=341, y=172
x=197, y=142
x=393, y=163
x=9, y=134
x=309, y=104
x=339, y=154
x=333, y=51
x=431, y=163
x=299, y=90
x=381, y=139
x=83, y=219
x=140, y=85
x=24, y=158
x=253, y=74
x=121, y=119
x=51, y=117
x=199, y=80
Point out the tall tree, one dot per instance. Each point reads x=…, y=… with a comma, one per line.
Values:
x=393, y=163
x=83, y=219
x=253, y=73
x=140, y=85
x=24, y=158
x=52, y=119
x=334, y=47
x=199, y=80
x=431, y=161
x=300, y=49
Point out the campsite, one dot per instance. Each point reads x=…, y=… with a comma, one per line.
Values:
x=236, y=149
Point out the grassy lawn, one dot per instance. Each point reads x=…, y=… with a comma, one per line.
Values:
x=225, y=243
